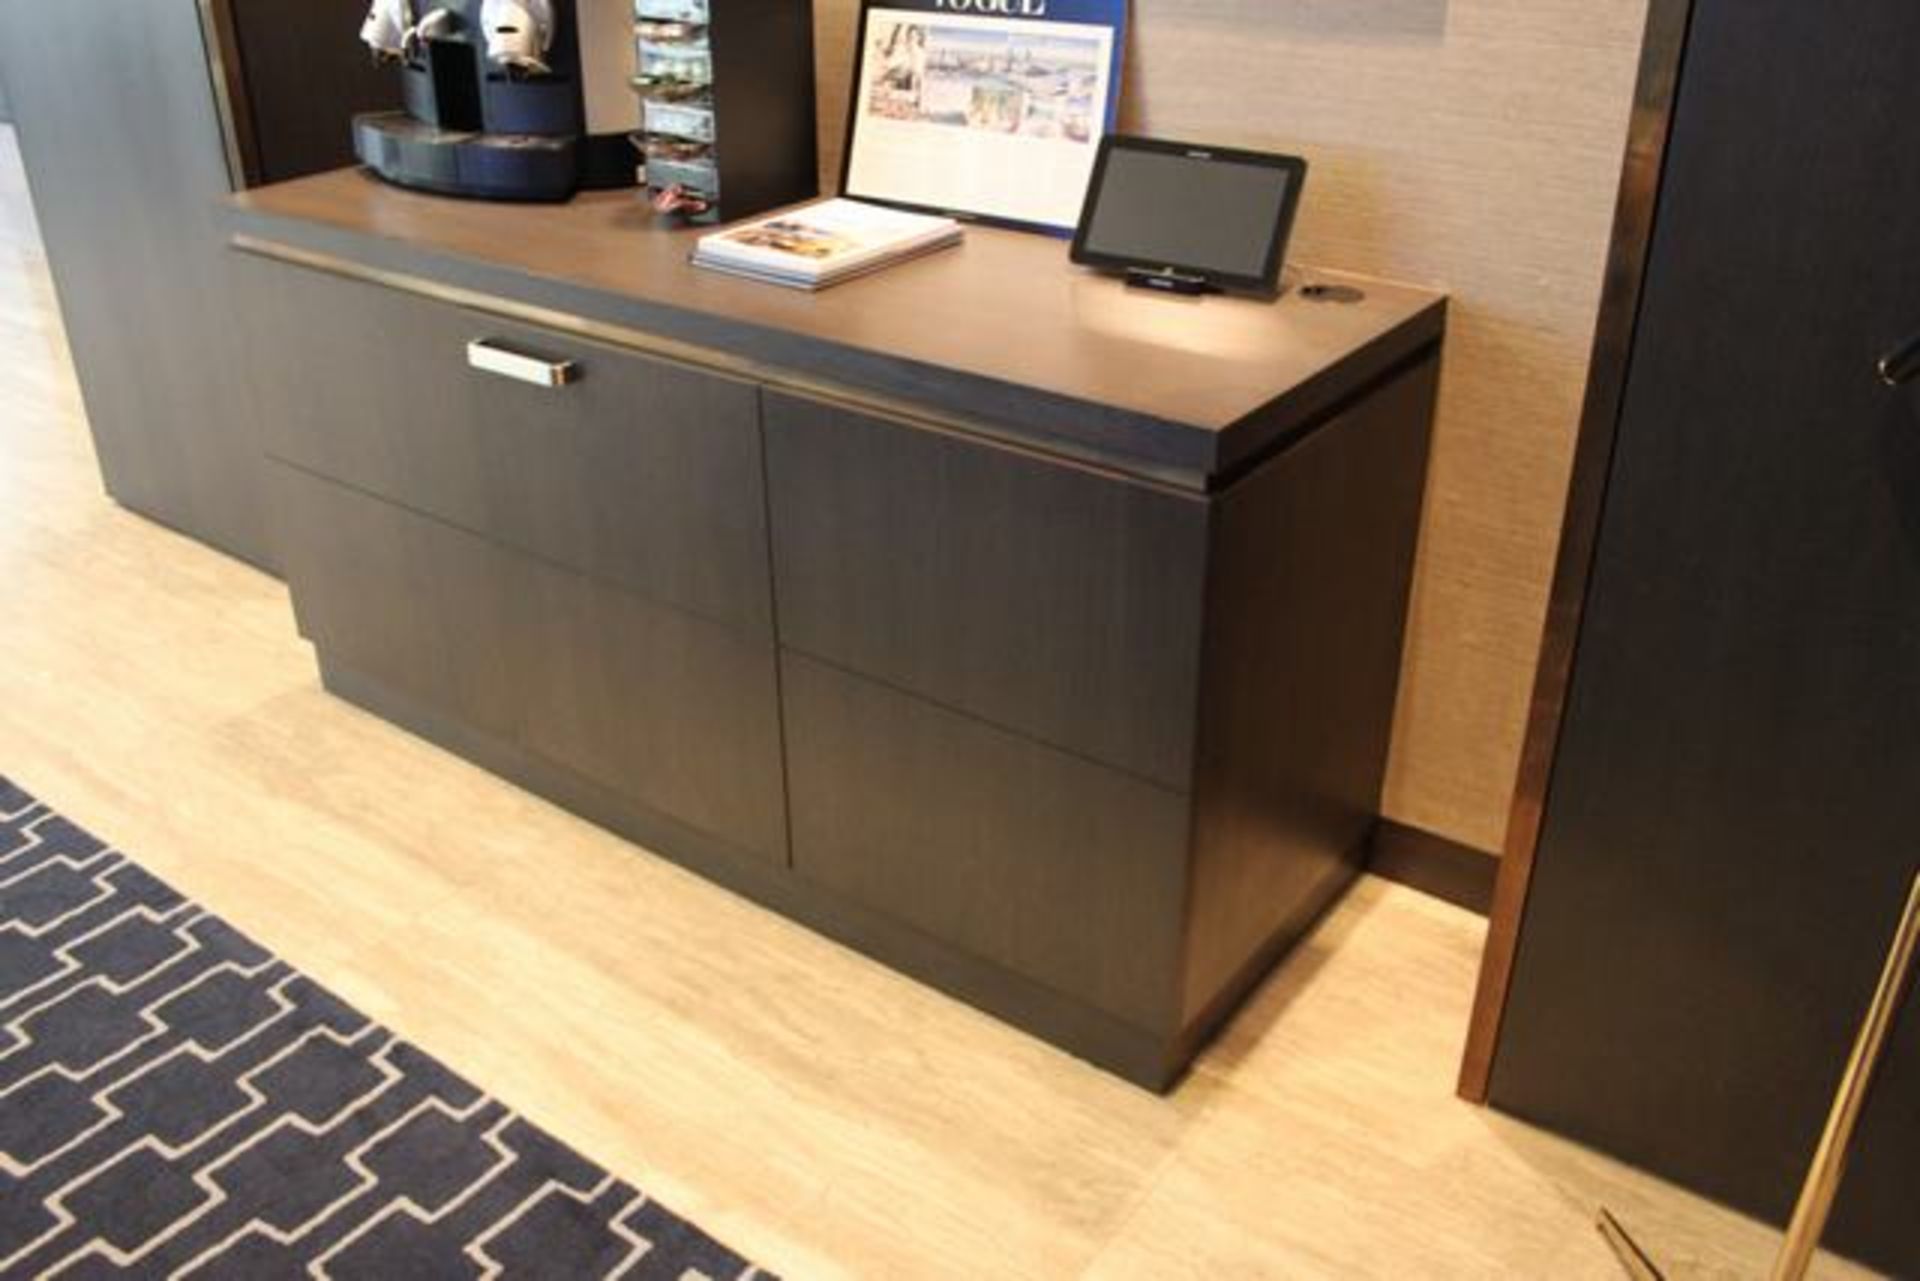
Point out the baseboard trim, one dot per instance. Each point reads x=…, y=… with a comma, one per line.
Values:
x=1432, y=864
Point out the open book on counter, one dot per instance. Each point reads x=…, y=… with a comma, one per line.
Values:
x=823, y=244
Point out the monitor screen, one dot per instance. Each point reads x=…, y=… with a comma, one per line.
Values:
x=1193, y=209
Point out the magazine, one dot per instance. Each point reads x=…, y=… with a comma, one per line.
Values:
x=823, y=244
x=994, y=111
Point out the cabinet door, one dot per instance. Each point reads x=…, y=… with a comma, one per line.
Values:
x=1062, y=871
x=678, y=713
x=1055, y=601
x=641, y=473
x=674, y=713
x=403, y=600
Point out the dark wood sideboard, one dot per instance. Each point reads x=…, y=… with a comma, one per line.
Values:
x=1036, y=637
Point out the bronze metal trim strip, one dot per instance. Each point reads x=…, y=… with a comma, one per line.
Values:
x=229, y=93
x=1662, y=52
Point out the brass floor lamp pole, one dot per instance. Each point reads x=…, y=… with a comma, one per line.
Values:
x=1830, y=1158
x=1836, y=1142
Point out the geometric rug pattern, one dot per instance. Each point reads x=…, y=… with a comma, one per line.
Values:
x=176, y=1102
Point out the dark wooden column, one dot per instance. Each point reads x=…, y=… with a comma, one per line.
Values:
x=1727, y=828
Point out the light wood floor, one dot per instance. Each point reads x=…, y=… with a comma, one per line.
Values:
x=813, y=1109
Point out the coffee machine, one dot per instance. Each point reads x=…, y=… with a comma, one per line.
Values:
x=505, y=99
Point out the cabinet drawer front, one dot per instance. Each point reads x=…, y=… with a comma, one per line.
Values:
x=400, y=598
x=1043, y=597
x=1052, y=867
x=631, y=470
x=675, y=713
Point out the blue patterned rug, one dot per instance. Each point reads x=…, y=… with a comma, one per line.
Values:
x=176, y=1102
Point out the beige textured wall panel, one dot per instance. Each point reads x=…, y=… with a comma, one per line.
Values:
x=1472, y=145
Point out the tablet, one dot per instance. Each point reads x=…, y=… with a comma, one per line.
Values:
x=1179, y=211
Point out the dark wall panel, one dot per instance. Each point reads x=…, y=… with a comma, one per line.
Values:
x=306, y=73
x=125, y=159
x=1732, y=821
x=129, y=147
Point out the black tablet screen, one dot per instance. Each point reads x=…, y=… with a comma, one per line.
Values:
x=1178, y=210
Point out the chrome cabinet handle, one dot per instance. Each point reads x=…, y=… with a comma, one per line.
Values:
x=1902, y=364
x=490, y=357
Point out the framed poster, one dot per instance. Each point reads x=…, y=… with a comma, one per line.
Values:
x=989, y=110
